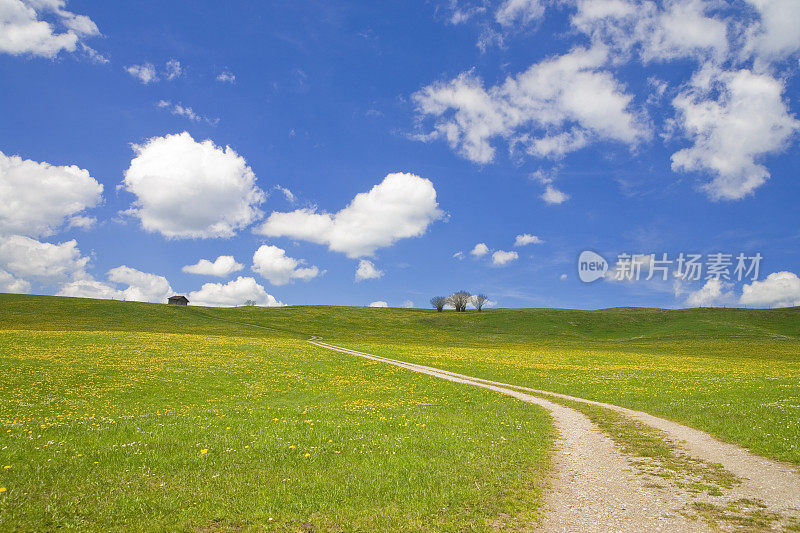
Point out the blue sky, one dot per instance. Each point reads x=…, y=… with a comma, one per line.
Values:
x=617, y=126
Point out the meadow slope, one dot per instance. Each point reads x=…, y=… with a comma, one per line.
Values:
x=152, y=428
x=734, y=373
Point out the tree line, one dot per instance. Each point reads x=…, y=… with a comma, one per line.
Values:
x=459, y=301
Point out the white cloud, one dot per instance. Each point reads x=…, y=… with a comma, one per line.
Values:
x=779, y=289
x=459, y=255
x=657, y=32
x=401, y=206
x=460, y=16
x=557, y=105
x=139, y=287
x=189, y=189
x=223, y=266
x=30, y=259
x=187, y=112
x=90, y=288
x=526, y=239
x=233, y=293
x=145, y=73
x=562, y=277
x=479, y=250
x=38, y=198
x=226, y=76
x=500, y=257
x=733, y=119
x=173, y=69
x=710, y=294
x=142, y=286
x=777, y=34
x=8, y=283
x=273, y=264
x=289, y=195
x=23, y=30
x=367, y=270
x=519, y=11
x=379, y=303
x=81, y=221
x=408, y=304
x=551, y=195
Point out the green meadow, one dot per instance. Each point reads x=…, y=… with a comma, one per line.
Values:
x=222, y=429
x=130, y=416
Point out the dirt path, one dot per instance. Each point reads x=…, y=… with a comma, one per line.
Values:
x=596, y=488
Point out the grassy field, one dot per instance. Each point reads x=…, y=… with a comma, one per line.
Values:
x=215, y=430
x=174, y=379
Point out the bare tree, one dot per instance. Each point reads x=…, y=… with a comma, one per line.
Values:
x=479, y=300
x=439, y=302
x=459, y=300
x=250, y=303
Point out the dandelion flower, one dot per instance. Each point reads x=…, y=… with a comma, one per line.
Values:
x=204, y=451
x=6, y=467
x=307, y=455
x=2, y=489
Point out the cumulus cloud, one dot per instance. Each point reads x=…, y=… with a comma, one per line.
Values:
x=556, y=106
x=142, y=286
x=379, y=303
x=24, y=30
x=401, y=206
x=501, y=258
x=479, y=250
x=710, y=294
x=553, y=196
x=9, y=283
x=777, y=33
x=408, y=304
x=655, y=31
x=139, y=286
x=734, y=119
x=234, y=293
x=367, y=270
x=90, y=288
x=273, y=264
x=190, y=189
x=223, y=266
x=779, y=289
x=39, y=198
x=29, y=259
x=526, y=239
